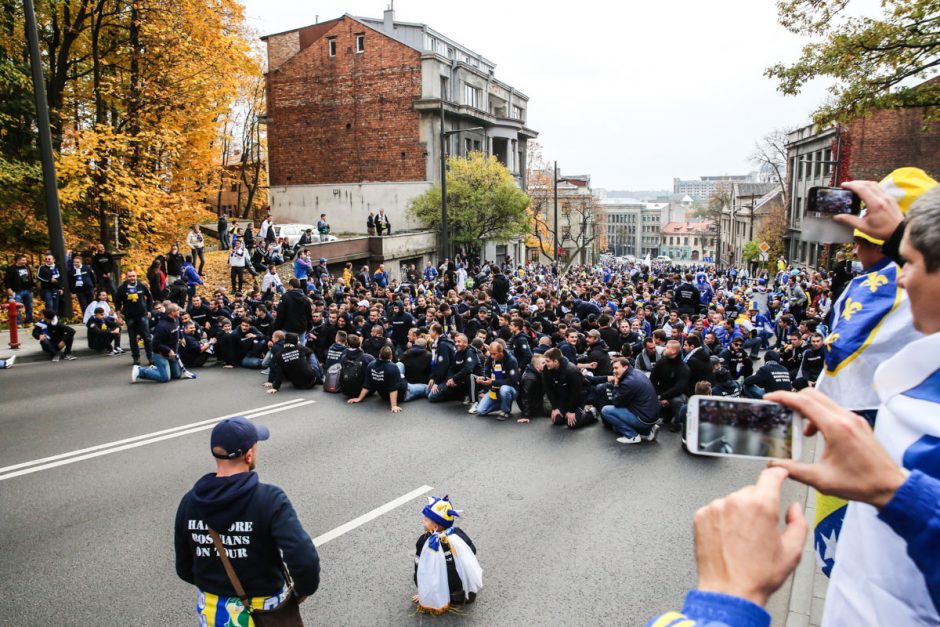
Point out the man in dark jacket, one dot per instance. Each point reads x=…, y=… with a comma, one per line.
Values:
x=670, y=377
x=501, y=376
x=386, y=377
x=697, y=358
x=567, y=390
x=811, y=366
x=500, y=289
x=293, y=364
x=634, y=410
x=294, y=313
x=519, y=343
x=688, y=298
x=417, y=361
x=771, y=377
x=255, y=523
x=442, y=358
x=464, y=369
x=250, y=345
x=166, y=345
x=531, y=393
x=133, y=301
x=598, y=355
x=104, y=333
x=55, y=338
x=400, y=321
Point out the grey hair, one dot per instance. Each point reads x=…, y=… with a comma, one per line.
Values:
x=923, y=227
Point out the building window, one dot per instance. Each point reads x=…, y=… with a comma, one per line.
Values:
x=467, y=146
x=516, y=113
x=331, y=46
x=472, y=96
x=445, y=88
x=360, y=42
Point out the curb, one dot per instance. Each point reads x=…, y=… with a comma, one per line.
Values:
x=808, y=591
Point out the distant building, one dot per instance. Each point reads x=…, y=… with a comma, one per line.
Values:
x=632, y=226
x=742, y=219
x=354, y=117
x=869, y=148
x=689, y=241
x=580, y=223
x=700, y=189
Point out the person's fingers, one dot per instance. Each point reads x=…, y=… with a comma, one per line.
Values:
x=809, y=402
x=849, y=220
x=771, y=480
x=794, y=535
x=808, y=474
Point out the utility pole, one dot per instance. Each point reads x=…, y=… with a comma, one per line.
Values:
x=555, y=179
x=444, y=233
x=53, y=215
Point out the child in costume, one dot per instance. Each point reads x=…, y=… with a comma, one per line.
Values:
x=446, y=568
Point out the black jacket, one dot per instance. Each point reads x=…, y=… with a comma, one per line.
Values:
x=294, y=313
x=531, y=393
x=501, y=289
x=700, y=369
x=292, y=364
x=771, y=377
x=670, y=377
x=417, y=361
x=457, y=595
x=166, y=336
x=442, y=357
x=598, y=353
x=465, y=364
x=134, y=301
x=19, y=279
x=566, y=387
x=257, y=524
x=521, y=350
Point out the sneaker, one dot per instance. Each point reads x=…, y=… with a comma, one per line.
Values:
x=113, y=353
x=501, y=415
x=56, y=358
x=186, y=374
x=473, y=408
x=466, y=401
x=10, y=361
x=634, y=440
x=652, y=434
x=135, y=373
x=69, y=357
x=118, y=350
x=266, y=371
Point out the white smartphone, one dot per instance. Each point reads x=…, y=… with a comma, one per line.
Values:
x=742, y=427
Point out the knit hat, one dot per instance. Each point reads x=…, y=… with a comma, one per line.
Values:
x=772, y=356
x=440, y=511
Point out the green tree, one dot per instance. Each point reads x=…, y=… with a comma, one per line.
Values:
x=877, y=63
x=750, y=252
x=483, y=202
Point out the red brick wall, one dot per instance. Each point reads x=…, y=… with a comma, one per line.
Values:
x=347, y=118
x=886, y=140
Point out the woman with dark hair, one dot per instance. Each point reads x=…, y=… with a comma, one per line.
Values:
x=157, y=279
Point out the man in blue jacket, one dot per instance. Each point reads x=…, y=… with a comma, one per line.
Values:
x=634, y=410
x=257, y=526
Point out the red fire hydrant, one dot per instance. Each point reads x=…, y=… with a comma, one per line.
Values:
x=13, y=310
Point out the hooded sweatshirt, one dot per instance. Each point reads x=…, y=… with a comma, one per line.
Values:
x=255, y=522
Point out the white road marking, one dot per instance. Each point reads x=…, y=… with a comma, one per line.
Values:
x=18, y=470
x=378, y=511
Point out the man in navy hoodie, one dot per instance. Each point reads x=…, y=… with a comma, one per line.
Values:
x=257, y=525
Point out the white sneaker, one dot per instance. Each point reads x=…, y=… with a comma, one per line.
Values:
x=69, y=357
x=634, y=440
x=186, y=374
x=466, y=401
x=266, y=371
x=501, y=415
x=10, y=361
x=135, y=373
x=652, y=434
x=113, y=353
x=118, y=351
x=473, y=408
x=56, y=358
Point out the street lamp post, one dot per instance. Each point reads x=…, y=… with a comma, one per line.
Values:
x=445, y=228
x=53, y=215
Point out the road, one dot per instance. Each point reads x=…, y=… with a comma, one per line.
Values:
x=572, y=528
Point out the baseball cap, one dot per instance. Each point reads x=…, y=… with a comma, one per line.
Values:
x=363, y=303
x=322, y=259
x=233, y=437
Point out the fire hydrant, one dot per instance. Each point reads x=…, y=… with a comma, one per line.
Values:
x=13, y=310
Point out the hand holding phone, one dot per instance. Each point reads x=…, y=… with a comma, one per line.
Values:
x=738, y=427
x=833, y=201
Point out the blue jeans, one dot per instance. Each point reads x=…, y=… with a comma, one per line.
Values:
x=505, y=396
x=415, y=390
x=26, y=297
x=162, y=370
x=255, y=363
x=51, y=299
x=624, y=422
x=752, y=391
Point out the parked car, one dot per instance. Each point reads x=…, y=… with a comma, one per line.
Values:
x=664, y=259
x=293, y=232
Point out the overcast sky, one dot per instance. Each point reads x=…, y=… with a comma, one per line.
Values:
x=632, y=93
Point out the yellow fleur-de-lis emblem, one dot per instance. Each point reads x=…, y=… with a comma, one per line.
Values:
x=874, y=281
x=852, y=307
x=830, y=340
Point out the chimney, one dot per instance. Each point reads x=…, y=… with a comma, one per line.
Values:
x=389, y=20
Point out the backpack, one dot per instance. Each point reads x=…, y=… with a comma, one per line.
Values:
x=331, y=383
x=351, y=378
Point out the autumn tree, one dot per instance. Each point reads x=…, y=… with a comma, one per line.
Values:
x=876, y=62
x=540, y=183
x=714, y=208
x=483, y=202
x=770, y=154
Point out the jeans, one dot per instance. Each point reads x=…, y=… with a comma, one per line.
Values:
x=415, y=390
x=255, y=363
x=752, y=391
x=505, y=396
x=754, y=345
x=445, y=393
x=51, y=299
x=139, y=327
x=26, y=297
x=162, y=370
x=624, y=422
x=223, y=240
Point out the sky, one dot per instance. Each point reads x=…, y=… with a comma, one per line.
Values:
x=632, y=93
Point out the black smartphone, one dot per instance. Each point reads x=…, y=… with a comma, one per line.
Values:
x=833, y=201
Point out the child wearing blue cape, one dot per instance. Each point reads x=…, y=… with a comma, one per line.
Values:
x=446, y=568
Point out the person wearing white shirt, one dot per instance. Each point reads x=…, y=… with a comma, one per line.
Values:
x=265, y=225
x=272, y=282
x=197, y=242
x=102, y=301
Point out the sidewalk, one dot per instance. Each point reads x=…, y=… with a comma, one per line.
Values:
x=808, y=592
x=30, y=351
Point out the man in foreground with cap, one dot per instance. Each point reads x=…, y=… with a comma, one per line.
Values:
x=257, y=525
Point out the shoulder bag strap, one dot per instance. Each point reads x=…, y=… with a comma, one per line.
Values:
x=232, y=577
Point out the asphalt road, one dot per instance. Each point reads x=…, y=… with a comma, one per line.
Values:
x=572, y=528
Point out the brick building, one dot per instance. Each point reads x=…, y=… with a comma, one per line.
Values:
x=354, y=117
x=866, y=149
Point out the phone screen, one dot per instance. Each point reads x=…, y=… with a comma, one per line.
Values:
x=834, y=200
x=743, y=427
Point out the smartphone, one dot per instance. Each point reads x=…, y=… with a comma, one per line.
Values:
x=833, y=201
x=741, y=427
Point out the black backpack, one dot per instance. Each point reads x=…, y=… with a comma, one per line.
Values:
x=351, y=377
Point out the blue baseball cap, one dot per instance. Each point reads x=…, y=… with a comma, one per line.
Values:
x=233, y=437
x=322, y=259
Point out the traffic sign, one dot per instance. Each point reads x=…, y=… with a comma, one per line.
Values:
x=764, y=257
x=764, y=247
